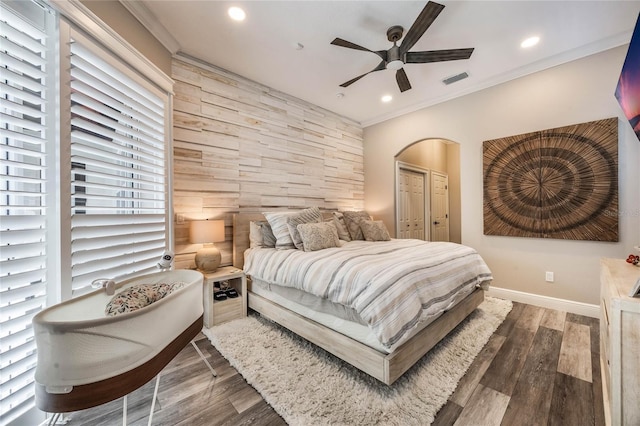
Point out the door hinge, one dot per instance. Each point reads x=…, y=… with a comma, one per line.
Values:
x=446, y=216
x=446, y=187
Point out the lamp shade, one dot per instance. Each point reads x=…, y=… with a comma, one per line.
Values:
x=206, y=231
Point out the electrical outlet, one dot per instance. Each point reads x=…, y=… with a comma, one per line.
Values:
x=549, y=277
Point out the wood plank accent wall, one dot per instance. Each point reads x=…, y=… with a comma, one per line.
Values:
x=239, y=146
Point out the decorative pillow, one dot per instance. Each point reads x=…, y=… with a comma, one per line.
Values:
x=374, y=230
x=338, y=221
x=310, y=215
x=352, y=220
x=318, y=236
x=278, y=222
x=255, y=235
x=138, y=296
x=260, y=235
x=268, y=239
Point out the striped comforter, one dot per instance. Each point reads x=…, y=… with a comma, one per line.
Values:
x=393, y=285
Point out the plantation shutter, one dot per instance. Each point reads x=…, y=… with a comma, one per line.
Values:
x=23, y=276
x=118, y=183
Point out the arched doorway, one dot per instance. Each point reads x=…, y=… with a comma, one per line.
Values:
x=433, y=165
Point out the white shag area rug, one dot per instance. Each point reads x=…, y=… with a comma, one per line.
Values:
x=308, y=386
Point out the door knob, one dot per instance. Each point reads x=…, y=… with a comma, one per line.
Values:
x=436, y=223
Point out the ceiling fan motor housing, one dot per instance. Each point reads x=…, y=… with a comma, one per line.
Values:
x=394, y=33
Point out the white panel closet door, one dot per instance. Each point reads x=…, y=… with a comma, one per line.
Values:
x=439, y=207
x=411, y=204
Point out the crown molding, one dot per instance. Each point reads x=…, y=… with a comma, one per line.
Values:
x=151, y=23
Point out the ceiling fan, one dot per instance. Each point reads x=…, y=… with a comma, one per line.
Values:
x=397, y=56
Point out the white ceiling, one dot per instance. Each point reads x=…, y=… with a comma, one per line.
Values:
x=263, y=47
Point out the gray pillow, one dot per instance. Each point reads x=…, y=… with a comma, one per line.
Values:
x=310, y=215
x=352, y=220
x=278, y=222
x=318, y=236
x=260, y=235
x=338, y=221
x=374, y=230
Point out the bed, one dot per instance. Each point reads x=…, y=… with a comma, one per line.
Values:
x=368, y=338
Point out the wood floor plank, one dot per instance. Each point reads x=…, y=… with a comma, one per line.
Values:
x=575, y=354
x=596, y=376
x=530, y=318
x=486, y=407
x=510, y=321
x=531, y=399
x=447, y=414
x=504, y=370
x=553, y=319
x=470, y=380
x=572, y=402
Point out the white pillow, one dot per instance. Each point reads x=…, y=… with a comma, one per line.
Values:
x=278, y=222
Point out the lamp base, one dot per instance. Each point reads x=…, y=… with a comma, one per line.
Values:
x=208, y=259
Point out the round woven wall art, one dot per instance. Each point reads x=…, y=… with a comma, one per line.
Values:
x=557, y=183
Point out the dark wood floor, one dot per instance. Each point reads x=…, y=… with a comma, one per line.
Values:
x=541, y=367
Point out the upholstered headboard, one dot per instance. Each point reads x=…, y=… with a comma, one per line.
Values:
x=241, y=234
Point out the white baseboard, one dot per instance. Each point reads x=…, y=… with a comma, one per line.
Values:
x=578, y=308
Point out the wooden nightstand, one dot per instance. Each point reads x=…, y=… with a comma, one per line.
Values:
x=219, y=311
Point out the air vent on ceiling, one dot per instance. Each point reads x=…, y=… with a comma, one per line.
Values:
x=454, y=78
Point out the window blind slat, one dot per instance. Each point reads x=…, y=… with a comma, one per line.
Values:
x=17, y=136
x=112, y=75
x=16, y=108
x=115, y=111
x=152, y=154
x=21, y=38
x=9, y=282
x=112, y=167
x=107, y=240
x=23, y=81
x=86, y=73
x=82, y=87
x=108, y=155
x=113, y=125
x=19, y=251
x=14, y=93
x=25, y=66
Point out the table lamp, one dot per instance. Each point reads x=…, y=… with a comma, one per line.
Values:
x=207, y=232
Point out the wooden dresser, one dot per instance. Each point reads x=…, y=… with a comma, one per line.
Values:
x=620, y=342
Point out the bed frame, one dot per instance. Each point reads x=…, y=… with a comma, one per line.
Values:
x=387, y=368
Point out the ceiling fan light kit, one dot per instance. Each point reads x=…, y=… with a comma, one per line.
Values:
x=397, y=56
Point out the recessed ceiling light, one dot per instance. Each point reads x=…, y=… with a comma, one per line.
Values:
x=236, y=13
x=529, y=42
x=386, y=98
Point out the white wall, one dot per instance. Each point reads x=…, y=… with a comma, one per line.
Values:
x=575, y=92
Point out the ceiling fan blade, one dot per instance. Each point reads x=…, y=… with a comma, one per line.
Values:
x=344, y=43
x=403, y=80
x=423, y=21
x=437, y=55
x=380, y=67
